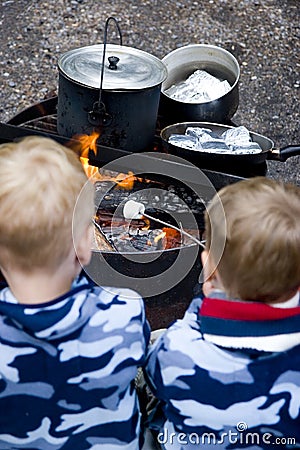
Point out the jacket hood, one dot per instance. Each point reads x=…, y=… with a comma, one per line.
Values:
x=49, y=320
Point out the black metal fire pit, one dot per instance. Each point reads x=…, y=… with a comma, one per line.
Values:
x=167, y=278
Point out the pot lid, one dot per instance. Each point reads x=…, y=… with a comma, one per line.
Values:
x=135, y=69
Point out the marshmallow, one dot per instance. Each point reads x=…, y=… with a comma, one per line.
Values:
x=133, y=210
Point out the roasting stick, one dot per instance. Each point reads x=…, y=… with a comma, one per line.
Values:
x=176, y=228
x=135, y=210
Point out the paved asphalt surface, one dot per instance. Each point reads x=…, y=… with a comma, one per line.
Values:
x=262, y=34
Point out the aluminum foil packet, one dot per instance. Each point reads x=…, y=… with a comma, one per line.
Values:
x=233, y=141
x=199, y=87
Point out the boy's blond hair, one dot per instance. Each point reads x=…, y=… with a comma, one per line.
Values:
x=40, y=183
x=261, y=257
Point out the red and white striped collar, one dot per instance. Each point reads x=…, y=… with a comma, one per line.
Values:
x=253, y=325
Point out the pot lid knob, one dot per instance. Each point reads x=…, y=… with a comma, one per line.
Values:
x=113, y=61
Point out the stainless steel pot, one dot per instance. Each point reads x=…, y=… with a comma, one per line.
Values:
x=181, y=63
x=112, y=89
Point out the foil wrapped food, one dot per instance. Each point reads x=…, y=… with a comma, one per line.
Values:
x=232, y=141
x=199, y=87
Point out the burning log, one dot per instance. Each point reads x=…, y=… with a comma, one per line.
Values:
x=100, y=242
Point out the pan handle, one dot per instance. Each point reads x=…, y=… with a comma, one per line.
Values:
x=285, y=152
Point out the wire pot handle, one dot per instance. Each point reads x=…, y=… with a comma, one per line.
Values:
x=113, y=66
x=98, y=115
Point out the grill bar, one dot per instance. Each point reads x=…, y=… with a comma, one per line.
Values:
x=139, y=164
x=40, y=120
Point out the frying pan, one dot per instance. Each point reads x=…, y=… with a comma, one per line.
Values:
x=198, y=158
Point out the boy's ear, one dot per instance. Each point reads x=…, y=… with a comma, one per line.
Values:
x=84, y=246
x=208, y=267
x=211, y=273
x=204, y=255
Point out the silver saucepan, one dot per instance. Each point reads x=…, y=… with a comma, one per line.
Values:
x=181, y=63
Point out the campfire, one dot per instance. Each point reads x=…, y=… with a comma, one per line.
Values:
x=112, y=231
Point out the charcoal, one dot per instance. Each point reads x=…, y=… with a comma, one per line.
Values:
x=164, y=202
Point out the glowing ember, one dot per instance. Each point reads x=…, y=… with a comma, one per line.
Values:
x=147, y=224
x=160, y=236
x=172, y=237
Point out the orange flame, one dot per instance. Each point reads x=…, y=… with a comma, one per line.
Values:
x=125, y=181
x=92, y=172
x=89, y=142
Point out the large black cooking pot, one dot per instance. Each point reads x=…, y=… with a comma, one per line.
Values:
x=112, y=89
x=181, y=63
x=217, y=160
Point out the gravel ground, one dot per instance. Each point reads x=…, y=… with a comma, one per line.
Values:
x=262, y=34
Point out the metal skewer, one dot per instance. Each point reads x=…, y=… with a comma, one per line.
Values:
x=135, y=210
x=175, y=228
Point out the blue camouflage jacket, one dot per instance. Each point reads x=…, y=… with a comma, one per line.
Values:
x=67, y=370
x=228, y=376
